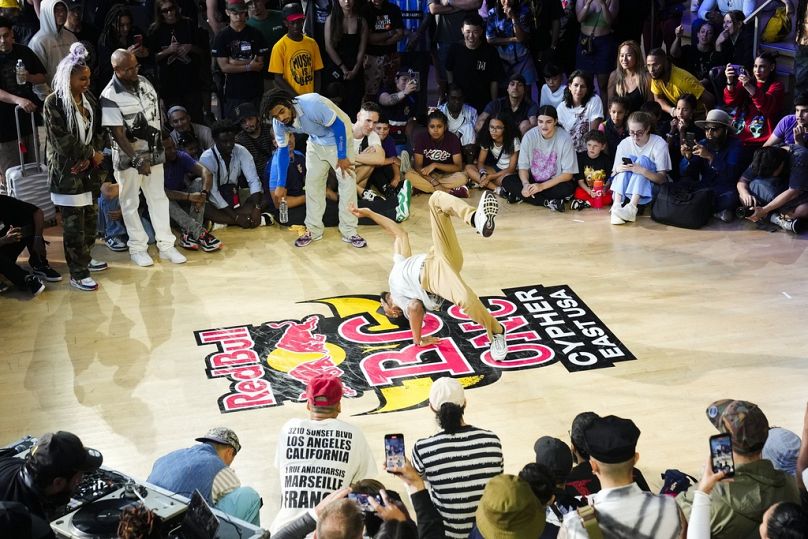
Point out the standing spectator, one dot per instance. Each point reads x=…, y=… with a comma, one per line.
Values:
x=119, y=32
x=669, y=82
x=73, y=127
x=256, y=139
x=547, y=164
x=474, y=65
x=179, y=57
x=267, y=21
x=458, y=461
x=630, y=79
x=596, y=45
x=438, y=159
x=699, y=57
x=509, y=29
x=295, y=60
x=21, y=228
x=182, y=126
x=386, y=28
x=581, y=110
x=793, y=125
x=569, y=27
x=517, y=106
x=13, y=95
x=450, y=17
x=84, y=31
x=51, y=43
x=316, y=12
x=756, y=101
x=130, y=108
x=736, y=41
x=545, y=35
x=240, y=53
x=330, y=470
x=346, y=39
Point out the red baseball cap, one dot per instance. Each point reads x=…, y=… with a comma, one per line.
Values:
x=293, y=11
x=324, y=390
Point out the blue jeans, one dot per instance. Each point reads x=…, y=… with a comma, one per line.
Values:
x=243, y=503
x=112, y=228
x=766, y=189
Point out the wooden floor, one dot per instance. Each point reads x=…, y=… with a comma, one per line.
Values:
x=713, y=313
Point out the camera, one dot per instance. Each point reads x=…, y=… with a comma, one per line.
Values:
x=744, y=212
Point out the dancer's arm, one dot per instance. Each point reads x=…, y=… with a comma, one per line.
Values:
x=401, y=243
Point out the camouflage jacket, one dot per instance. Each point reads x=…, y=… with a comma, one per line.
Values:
x=65, y=150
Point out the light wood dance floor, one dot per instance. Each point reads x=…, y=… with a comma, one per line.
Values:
x=709, y=314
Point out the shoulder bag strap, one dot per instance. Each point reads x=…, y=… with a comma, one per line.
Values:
x=589, y=520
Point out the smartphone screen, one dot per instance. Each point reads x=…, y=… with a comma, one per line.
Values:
x=139, y=40
x=393, y=451
x=362, y=501
x=721, y=454
x=627, y=161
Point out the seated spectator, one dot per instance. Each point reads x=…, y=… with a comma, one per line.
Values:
x=715, y=163
x=700, y=57
x=368, y=147
x=458, y=461
x=737, y=507
x=187, y=186
x=206, y=467
x=110, y=220
x=462, y=119
x=791, y=125
x=669, y=82
x=621, y=504
x=296, y=60
x=754, y=101
x=714, y=10
x=188, y=143
x=399, y=105
x=782, y=447
x=649, y=164
x=775, y=187
x=682, y=129
x=227, y=161
x=658, y=118
x=45, y=480
x=51, y=43
x=256, y=138
x=615, y=127
x=516, y=106
x=499, y=153
x=581, y=111
x=509, y=508
x=387, y=177
x=509, y=27
x=546, y=165
x=593, y=164
x=630, y=79
x=736, y=41
x=183, y=127
x=474, y=65
x=21, y=226
x=438, y=159
x=552, y=91
x=553, y=457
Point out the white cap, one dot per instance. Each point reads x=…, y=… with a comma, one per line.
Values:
x=446, y=390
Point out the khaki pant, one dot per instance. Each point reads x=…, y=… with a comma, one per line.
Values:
x=441, y=273
x=449, y=181
x=319, y=159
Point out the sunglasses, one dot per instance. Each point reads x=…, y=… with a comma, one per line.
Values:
x=168, y=9
x=714, y=128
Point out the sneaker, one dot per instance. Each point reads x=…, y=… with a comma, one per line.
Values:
x=34, y=285
x=356, y=240
x=726, y=216
x=404, y=199
x=406, y=162
x=306, y=239
x=97, y=265
x=389, y=192
x=267, y=219
x=209, y=243
x=141, y=258
x=499, y=346
x=628, y=213
x=615, y=215
x=187, y=242
x=555, y=204
x=116, y=244
x=579, y=205
x=173, y=255
x=514, y=198
x=368, y=195
x=460, y=192
x=87, y=284
x=4, y=287
x=217, y=226
x=47, y=273
x=487, y=209
x=796, y=226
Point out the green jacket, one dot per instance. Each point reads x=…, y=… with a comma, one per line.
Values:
x=65, y=149
x=737, y=507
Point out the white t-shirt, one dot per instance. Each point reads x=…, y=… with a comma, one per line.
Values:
x=576, y=120
x=373, y=140
x=552, y=98
x=405, y=282
x=504, y=158
x=547, y=158
x=315, y=458
x=656, y=149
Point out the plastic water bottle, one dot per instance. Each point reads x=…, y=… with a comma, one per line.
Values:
x=283, y=211
x=22, y=73
x=597, y=194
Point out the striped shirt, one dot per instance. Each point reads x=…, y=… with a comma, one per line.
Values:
x=457, y=467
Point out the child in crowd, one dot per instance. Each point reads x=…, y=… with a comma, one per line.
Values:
x=438, y=159
x=552, y=92
x=593, y=164
x=683, y=128
x=387, y=176
x=615, y=125
x=499, y=153
x=654, y=109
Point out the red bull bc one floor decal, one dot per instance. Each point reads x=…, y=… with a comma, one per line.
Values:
x=269, y=364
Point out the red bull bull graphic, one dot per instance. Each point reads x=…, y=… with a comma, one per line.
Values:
x=270, y=364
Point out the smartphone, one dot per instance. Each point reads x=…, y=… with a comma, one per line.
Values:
x=690, y=139
x=393, y=451
x=414, y=75
x=721, y=454
x=139, y=40
x=627, y=161
x=362, y=500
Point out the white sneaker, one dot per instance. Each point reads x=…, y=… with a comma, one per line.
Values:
x=487, y=209
x=615, y=215
x=173, y=255
x=97, y=265
x=628, y=213
x=218, y=226
x=141, y=258
x=406, y=163
x=499, y=346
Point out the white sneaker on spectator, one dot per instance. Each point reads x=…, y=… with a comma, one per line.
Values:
x=628, y=213
x=615, y=215
x=87, y=284
x=97, y=265
x=406, y=163
x=173, y=255
x=141, y=258
x=499, y=346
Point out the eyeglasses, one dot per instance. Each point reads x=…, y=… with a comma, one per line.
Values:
x=636, y=133
x=168, y=9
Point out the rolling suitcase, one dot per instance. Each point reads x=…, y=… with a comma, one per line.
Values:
x=29, y=182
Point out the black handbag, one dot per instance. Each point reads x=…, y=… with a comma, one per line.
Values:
x=683, y=206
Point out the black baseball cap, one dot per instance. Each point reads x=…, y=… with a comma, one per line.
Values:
x=63, y=454
x=612, y=439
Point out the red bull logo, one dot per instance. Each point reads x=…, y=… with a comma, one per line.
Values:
x=270, y=364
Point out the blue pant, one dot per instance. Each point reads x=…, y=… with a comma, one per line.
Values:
x=766, y=189
x=112, y=228
x=242, y=503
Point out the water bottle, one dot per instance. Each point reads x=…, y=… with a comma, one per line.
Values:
x=22, y=73
x=597, y=194
x=283, y=211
